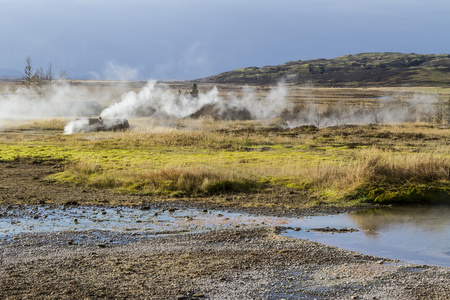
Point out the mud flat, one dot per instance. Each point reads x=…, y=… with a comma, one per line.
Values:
x=238, y=262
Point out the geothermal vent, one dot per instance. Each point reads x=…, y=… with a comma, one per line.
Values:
x=96, y=124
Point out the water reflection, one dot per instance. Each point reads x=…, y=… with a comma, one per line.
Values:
x=413, y=234
x=435, y=220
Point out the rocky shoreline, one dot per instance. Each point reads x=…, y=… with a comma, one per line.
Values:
x=252, y=263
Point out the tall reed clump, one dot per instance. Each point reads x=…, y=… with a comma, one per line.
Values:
x=193, y=181
x=79, y=172
x=403, y=179
x=380, y=177
x=169, y=181
x=405, y=169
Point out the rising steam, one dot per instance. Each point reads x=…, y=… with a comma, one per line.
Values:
x=57, y=100
x=157, y=100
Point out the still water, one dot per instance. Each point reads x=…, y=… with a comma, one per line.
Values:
x=29, y=219
x=418, y=235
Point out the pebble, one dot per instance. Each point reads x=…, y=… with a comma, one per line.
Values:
x=198, y=295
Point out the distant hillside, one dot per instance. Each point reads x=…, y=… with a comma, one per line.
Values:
x=10, y=74
x=365, y=69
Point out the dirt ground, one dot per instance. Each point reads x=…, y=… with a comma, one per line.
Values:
x=251, y=263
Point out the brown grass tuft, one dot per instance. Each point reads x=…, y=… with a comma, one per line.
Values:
x=404, y=169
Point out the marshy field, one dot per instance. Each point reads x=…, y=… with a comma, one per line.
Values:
x=278, y=150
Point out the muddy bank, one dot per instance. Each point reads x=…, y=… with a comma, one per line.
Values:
x=249, y=263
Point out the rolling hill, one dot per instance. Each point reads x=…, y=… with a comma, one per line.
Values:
x=365, y=69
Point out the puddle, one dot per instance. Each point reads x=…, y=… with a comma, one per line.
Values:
x=39, y=219
x=419, y=235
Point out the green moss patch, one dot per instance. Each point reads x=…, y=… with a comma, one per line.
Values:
x=405, y=195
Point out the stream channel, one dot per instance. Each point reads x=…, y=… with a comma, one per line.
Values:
x=419, y=235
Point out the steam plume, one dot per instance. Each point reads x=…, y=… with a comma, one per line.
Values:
x=159, y=101
x=57, y=100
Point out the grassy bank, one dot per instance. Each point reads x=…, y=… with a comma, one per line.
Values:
x=406, y=163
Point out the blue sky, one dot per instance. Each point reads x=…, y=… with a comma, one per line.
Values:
x=180, y=39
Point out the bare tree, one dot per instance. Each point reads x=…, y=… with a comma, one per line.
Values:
x=39, y=80
x=319, y=117
x=376, y=114
x=62, y=75
x=49, y=73
x=28, y=77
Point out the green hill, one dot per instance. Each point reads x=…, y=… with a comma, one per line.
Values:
x=365, y=69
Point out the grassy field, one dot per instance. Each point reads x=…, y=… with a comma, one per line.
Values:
x=311, y=151
x=340, y=165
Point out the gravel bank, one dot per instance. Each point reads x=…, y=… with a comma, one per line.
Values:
x=234, y=264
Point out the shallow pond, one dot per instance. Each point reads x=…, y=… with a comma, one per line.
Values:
x=15, y=220
x=417, y=234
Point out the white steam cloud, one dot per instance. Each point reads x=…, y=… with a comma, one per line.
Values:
x=116, y=71
x=95, y=124
x=76, y=126
x=61, y=99
x=395, y=108
x=55, y=100
x=159, y=101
